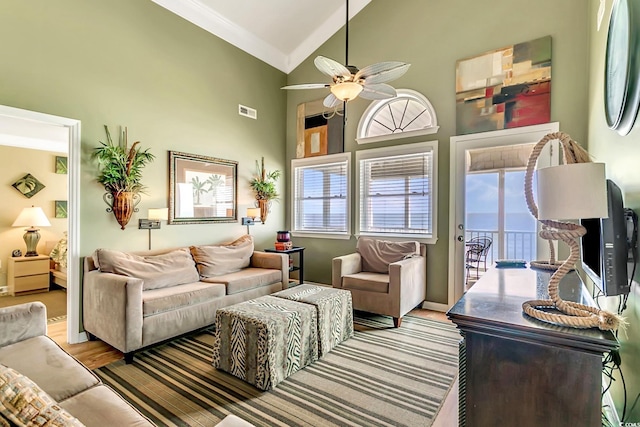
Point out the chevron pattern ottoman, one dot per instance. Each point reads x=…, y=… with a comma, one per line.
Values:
x=264, y=340
x=335, y=312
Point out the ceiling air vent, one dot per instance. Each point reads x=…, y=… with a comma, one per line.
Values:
x=247, y=112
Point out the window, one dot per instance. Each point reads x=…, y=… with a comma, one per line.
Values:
x=398, y=191
x=408, y=114
x=321, y=202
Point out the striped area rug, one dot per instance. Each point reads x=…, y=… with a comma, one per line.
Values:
x=381, y=377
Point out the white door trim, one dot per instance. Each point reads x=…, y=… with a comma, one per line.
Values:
x=73, y=214
x=458, y=145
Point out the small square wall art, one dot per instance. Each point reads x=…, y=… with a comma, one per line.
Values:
x=61, y=209
x=61, y=164
x=504, y=88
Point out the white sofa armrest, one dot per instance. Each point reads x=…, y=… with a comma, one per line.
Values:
x=21, y=322
x=343, y=265
x=112, y=309
x=408, y=281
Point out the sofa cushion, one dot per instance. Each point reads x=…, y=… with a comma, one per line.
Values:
x=22, y=402
x=378, y=254
x=157, y=271
x=55, y=371
x=101, y=406
x=216, y=260
x=165, y=299
x=366, y=281
x=247, y=278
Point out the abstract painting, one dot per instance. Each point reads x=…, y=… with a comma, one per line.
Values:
x=504, y=88
x=319, y=130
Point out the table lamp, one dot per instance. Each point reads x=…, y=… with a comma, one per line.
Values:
x=31, y=217
x=574, y=190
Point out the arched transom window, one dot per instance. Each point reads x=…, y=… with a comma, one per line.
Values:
x=408, y=114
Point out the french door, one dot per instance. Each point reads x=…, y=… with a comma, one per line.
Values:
x=461, y=180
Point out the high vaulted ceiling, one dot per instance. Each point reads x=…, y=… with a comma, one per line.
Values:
x=282, y=33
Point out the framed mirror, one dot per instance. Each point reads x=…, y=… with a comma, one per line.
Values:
x=202, y=189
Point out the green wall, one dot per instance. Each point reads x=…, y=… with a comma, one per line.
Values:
x=174, y=85
x=621, y=155
x=431, y=36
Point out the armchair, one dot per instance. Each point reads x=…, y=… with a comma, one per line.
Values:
x=388, y=278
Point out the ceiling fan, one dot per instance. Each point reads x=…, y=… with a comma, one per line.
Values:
x=349, y=82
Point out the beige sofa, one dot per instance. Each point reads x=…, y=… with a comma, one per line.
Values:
x=134, y=300
x=25, y=348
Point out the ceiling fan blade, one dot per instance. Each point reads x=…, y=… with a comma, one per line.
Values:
x=331, y=101
x=382, y=72
x=307, y=86
x=377, y=91
x=331, y=68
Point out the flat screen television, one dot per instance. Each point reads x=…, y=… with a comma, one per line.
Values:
x=604, y=248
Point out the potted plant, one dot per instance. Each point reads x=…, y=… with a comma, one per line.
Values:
x=264, y=186
x=120, y=169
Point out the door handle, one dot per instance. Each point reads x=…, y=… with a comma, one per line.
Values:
x=460, y=238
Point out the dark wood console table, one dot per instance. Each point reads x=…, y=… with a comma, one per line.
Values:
x=519, y=371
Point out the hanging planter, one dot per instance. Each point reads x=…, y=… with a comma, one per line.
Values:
x=264, y=186
x=121, y=174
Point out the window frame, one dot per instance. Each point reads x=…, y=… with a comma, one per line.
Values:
x=317, y=161
x=381, y=153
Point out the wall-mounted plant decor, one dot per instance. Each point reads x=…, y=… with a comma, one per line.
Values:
x=61, y=164
x=202, y=189
x=28, y=185
x=60, y=208
x=263, y=185
x=120, y=169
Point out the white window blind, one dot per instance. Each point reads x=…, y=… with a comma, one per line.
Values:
x=397, y=192
x=320, y=194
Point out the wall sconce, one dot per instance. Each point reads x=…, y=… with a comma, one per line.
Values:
x=154, y=216
x=250, y=219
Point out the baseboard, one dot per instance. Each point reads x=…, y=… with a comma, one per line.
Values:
x=435, y=306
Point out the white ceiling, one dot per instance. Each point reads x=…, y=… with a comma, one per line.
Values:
x=282, y=33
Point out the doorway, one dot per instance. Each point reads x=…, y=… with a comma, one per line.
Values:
x=479, y=185
x=41, y=126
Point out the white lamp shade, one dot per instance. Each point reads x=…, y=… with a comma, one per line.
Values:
x=158, y=214
x=253, y=212
x=31, y=217
x=346, y=91
x=572, y=191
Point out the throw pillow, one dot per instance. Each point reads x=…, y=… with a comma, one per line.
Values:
x=158, y=271
x=378, y=254
x=216, y=260
x=22, y=402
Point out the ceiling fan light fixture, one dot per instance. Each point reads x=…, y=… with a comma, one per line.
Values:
x=346, y=91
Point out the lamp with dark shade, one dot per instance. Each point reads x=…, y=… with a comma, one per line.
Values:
x=32, y=217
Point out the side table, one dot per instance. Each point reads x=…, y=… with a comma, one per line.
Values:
x=27, y=275
x=300, y=267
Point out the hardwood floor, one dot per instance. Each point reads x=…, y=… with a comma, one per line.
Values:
x=95, y=354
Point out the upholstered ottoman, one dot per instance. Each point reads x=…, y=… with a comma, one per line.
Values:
x=335, y=312
x=264, y=340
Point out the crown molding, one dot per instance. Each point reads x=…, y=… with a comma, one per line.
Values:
x=207, y=19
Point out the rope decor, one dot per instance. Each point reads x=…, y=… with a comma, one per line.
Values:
x=572, y=314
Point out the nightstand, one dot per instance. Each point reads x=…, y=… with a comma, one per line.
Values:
x=28, y=275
